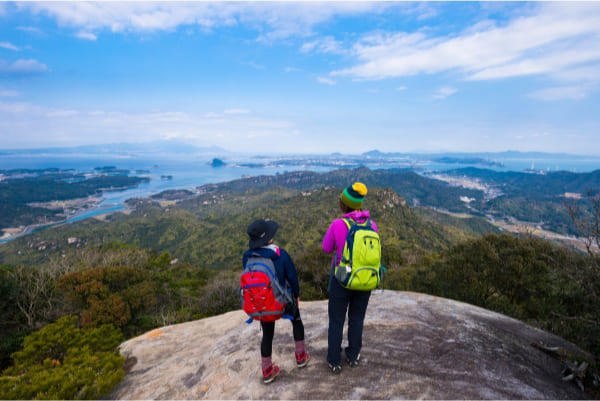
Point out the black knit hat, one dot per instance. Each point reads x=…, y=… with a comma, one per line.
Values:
x=260, y=232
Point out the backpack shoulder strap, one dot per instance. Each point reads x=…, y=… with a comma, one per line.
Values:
x=349, y=222
x=256, y=261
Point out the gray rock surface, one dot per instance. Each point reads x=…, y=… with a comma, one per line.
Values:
x=415, y=346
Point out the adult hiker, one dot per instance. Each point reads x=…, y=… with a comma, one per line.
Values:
x=261, y=233
x=344, y=300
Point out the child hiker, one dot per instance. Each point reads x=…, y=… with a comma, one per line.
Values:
x=342, y=300
x=261, y=235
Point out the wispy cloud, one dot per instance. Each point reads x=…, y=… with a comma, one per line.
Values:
x=556, y=38
x=9, y=46
x=401, y=88
x=273, y=20
x=86, y=35
x=326, y=44
x=422, y=11
x=61, y=113
x=22, y=67
x=40, y=126
x=31, y=29
x=255, y=65
x=292, y=69
x=444, y=92
x=325, y=80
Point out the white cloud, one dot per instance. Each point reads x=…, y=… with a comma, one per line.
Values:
x=31, y=125
x=422, y=11
x=9, y=46
x=61, y=113
x=255, y=65
x=401, y=88
x=292, y=69
x=325, y=80
x=444, y=92
x=86, y=36
x=22, y=67
x=326, y=44
x=274, y=20
x=31, y=29
x=559, y=36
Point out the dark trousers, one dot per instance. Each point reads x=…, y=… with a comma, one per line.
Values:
x=268, y=329
x=342, y=300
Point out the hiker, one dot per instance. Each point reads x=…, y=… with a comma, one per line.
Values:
x=261, y=233
x=341, y=299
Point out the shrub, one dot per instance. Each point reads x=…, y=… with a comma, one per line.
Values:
x=314, y=269
x=109, y=294
x=554, y=288
x=62, y=361
x=222, y=295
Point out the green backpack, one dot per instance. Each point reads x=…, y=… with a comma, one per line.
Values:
x=360, y=267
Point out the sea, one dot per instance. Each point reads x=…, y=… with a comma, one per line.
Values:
x=180, y=171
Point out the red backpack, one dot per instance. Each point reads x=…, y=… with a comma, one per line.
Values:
x=263, y=297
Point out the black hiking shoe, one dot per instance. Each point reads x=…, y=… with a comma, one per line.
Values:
x=353, y=362
x=335, y=369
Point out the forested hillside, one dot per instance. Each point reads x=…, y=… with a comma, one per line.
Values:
x=21, y=192
x=535, y=197
x=173, y=261
x=415, y=188
x=210, y=229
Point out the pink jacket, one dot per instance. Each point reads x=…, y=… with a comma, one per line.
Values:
x=335, y=238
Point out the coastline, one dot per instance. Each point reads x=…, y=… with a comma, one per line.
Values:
x=186, y=175
x=12, y=233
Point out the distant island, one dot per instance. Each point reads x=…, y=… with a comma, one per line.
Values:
x=217, y=163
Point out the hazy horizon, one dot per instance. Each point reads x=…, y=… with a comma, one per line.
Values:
x=303, y=77
x=178, y=147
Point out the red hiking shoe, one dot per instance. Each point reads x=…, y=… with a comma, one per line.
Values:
x=302, y=359
x=270, y=373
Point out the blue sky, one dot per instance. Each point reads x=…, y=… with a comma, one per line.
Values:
x=305, y=77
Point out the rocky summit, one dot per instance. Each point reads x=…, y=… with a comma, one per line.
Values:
x=415, y=346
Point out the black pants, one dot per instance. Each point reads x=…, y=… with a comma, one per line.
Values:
x=268, y=329
x=342, y=300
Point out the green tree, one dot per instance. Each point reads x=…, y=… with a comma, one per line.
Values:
x=62, y=361
x=10, y=318
x=586, y=275
x=109, y=294
x=499, y=272
x=221, y=294
x=553, y=288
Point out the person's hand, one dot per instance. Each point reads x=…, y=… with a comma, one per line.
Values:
x=298, y=302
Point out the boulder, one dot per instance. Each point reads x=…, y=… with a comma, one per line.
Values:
x=415, y=346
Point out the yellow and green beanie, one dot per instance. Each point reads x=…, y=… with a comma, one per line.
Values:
x=354, y=195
